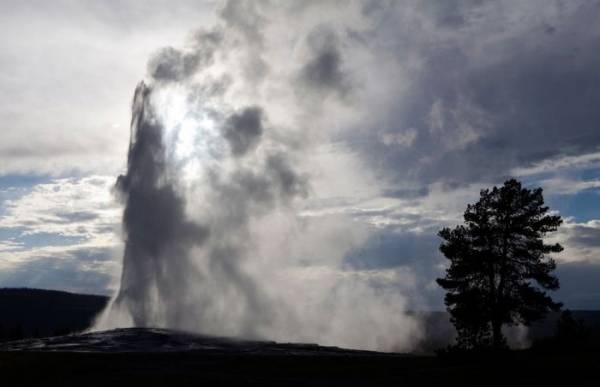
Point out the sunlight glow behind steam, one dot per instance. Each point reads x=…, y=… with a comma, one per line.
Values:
x=218, y=170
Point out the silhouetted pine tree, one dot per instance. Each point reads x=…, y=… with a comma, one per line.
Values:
x=17, y=332
x=499, y=265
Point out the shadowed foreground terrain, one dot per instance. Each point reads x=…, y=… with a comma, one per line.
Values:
x=164, y=340
x=152, y=357
x=156, y=357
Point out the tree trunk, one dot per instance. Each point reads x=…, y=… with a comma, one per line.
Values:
x=498, y=339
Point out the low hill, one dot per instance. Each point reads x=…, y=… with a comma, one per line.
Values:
x=36, y=313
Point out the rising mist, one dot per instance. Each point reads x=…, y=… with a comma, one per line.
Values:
x=221, y=161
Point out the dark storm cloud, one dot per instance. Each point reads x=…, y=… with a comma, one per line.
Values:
x=524, y=95
x=408, y=193
x=323, y=71
x=324, y=68
x=243, y=130
x=452, y=13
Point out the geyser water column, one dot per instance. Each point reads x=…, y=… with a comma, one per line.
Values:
x=182, y=270
x=157, y=233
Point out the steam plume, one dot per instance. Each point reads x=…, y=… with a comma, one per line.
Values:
x=218, y=172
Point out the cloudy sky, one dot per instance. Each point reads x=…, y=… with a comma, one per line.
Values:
x=404, y=110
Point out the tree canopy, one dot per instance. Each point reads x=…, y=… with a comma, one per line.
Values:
x=499, y=264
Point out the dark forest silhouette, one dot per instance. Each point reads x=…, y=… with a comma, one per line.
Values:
x=26, y=313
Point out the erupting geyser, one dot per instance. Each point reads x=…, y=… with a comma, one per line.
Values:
x=177, y=272
x=219, y=166
x=156, y=260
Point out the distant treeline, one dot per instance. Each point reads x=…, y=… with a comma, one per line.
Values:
x=580, y=328
x=26, y=313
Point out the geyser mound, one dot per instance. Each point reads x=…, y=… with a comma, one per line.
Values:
x=164, y=340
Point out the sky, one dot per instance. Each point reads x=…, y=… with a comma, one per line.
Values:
x=396, y=114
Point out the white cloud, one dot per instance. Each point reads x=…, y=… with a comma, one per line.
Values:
x=403, y=139
x=63, y=226
x=560, y=163
x=568, y=186
x=441, y=206
x=70, y=207
x=580, y=240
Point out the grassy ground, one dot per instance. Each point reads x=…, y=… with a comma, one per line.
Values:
x=195, y=369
